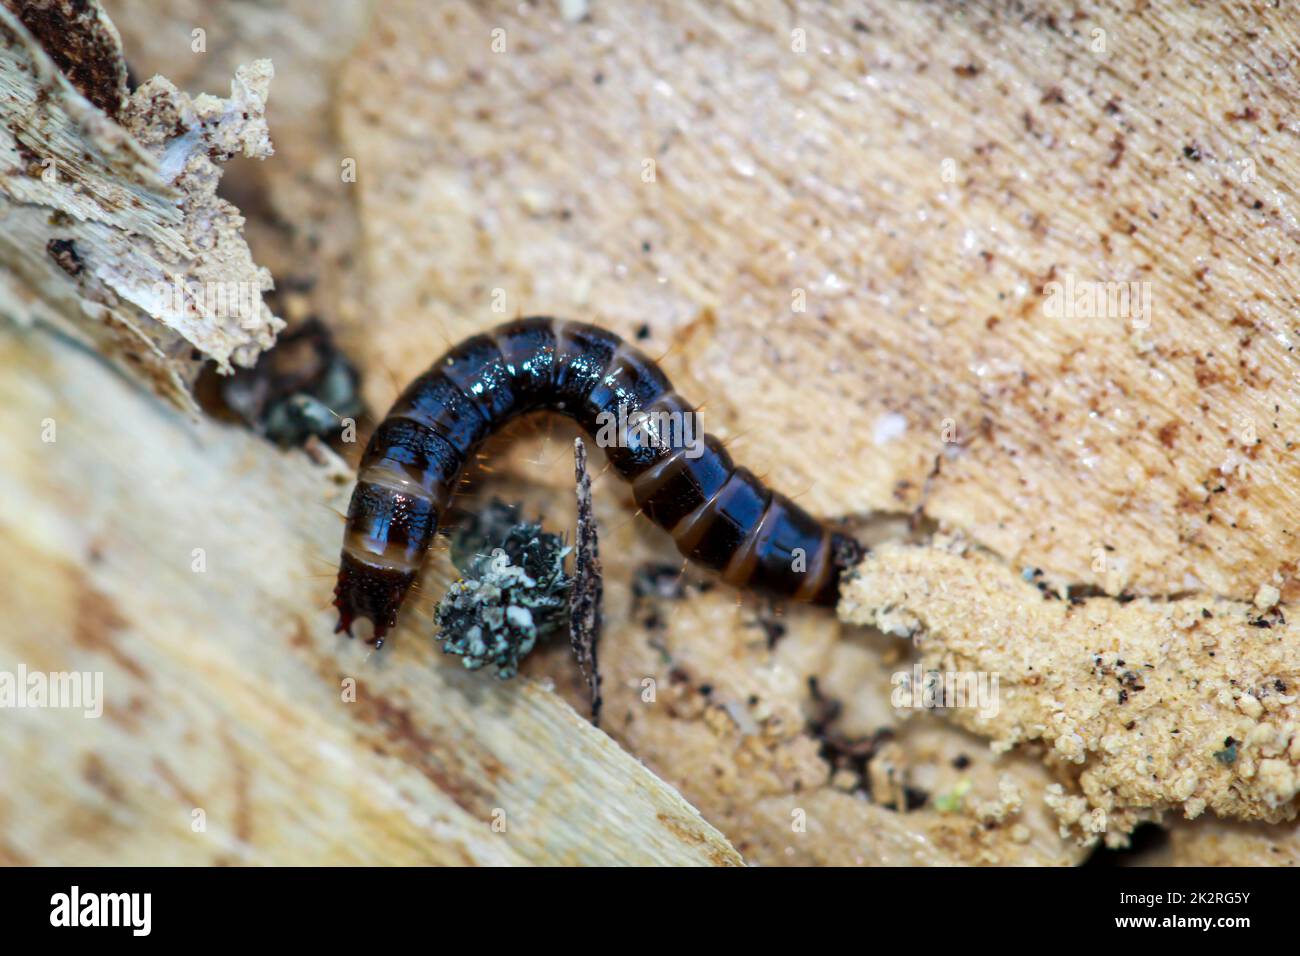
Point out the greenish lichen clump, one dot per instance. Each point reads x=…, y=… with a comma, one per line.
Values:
x=514, y=592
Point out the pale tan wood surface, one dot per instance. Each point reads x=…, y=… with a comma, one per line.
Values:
x=800, y=156
x=1163, y=158
x=224, y=688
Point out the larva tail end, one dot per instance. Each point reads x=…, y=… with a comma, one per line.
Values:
x=364, y=590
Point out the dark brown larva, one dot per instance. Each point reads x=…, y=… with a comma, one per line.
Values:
x=719, y=514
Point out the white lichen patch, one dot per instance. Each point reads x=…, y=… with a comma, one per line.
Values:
x=112, y=230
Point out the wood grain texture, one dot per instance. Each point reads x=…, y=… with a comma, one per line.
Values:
x=1162, y=159
x=800, y=157
x=224, y=689
x=1216, y=843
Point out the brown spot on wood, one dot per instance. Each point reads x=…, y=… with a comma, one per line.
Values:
x=94, y=627
x=1205, y=374
x=164, y=770
x=301, y=636
x=691, y=835
x=437, y=763
x=243, y=817
x=129, y=717
x=96, y=773
x=10, y=855
x=1117, y=147
x=1168, y=433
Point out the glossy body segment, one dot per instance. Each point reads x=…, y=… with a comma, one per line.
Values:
x=719, y=515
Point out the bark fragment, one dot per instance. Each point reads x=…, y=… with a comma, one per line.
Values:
x=112, y=229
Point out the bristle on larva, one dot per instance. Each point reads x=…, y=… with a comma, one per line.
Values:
x=720, y=515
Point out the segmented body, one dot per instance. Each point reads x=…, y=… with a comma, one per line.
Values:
x=719, y=514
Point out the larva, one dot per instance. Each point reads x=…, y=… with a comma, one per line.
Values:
x=719, y=515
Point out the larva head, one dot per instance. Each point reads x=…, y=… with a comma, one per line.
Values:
x=846, y=552
x=364, y=590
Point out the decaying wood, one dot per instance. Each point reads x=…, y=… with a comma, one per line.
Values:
x=299, y=206
x=730, y=723
x=112, y=228
x=860, y=235
x=1187, y=704
x=841, y=229
x=193, y=572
